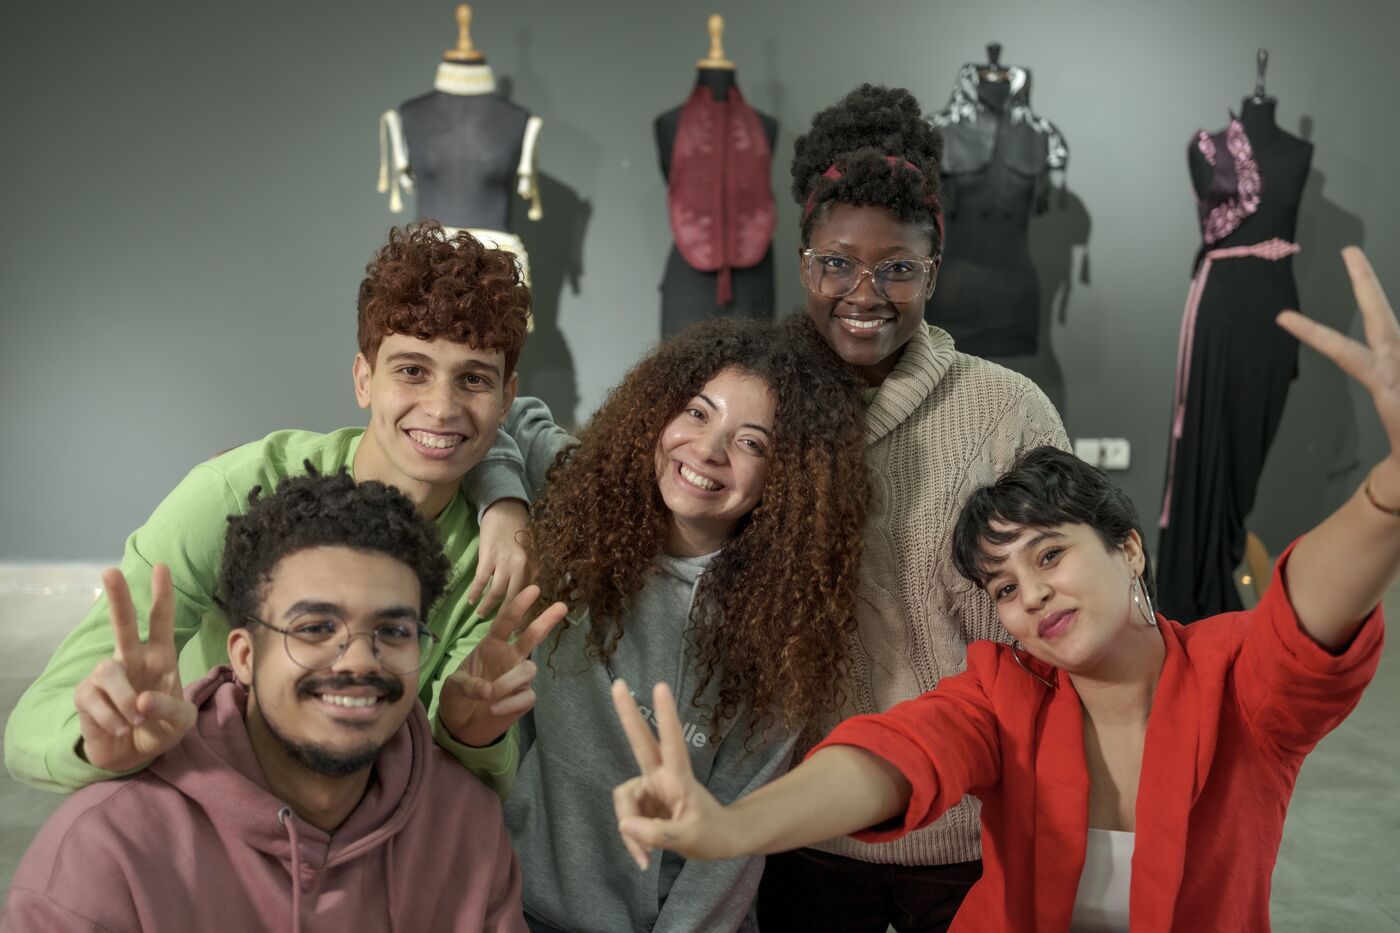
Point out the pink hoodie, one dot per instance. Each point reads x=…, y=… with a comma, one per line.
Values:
x=197, y=841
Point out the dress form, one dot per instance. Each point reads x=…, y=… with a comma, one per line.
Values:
x=689, y=294
x=1234, y=363
x=463, y=149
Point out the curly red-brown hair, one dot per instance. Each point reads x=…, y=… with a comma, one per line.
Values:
x=424, y=283
x=773, y=617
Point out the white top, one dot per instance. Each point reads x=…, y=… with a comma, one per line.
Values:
x=1101, y=906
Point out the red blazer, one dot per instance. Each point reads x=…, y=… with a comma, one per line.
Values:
x=1242, y=698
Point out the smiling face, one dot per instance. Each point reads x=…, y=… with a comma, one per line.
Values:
x=866, y=330
x=1064, y=594
x=332, y=721
x=712, y=460
x=434, y=409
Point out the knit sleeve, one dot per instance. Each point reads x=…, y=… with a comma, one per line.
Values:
x=1028, y=421
x=1038, y=422
x=945, y=743
x=1291, y=690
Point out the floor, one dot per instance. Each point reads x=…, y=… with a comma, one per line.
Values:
x=1339, y=868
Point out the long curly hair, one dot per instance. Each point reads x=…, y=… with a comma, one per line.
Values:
x=856, y=135
x=774, y=613
x=428, y=284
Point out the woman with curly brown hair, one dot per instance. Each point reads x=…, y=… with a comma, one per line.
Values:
x=706, y=529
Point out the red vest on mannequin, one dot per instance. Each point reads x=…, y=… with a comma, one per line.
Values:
x=720, y=200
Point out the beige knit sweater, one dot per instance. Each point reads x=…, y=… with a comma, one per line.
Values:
x=940, y=425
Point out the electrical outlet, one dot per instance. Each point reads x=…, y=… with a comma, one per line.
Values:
x=1088, y=449
x=1114, y=453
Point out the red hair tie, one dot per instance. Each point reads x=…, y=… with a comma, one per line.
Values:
x=896, y=163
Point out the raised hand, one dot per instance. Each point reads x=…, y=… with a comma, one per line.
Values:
x=131, y=708
x=492, y=688
x=502, y=565
x=1375, y=364
x=666, y=807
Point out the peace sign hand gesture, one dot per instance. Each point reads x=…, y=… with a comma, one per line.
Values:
x=131, y=708
x=1376, y=364
x=666, y=807
x=491, y=689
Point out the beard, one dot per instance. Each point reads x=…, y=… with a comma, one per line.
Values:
x=322, y=759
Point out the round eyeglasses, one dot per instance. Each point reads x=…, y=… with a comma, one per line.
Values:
x=832, y=275
x=316, y=643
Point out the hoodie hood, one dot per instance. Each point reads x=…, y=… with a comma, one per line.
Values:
x=198, y=841
x=215, y=767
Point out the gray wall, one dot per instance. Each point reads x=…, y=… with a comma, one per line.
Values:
x=189, y=204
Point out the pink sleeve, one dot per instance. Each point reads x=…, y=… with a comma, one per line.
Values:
x=27, y=910
x=1293, y=691
x=945, y=743
x=506, y=912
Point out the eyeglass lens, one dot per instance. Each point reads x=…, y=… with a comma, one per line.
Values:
x=316, y=644
x=832, y=275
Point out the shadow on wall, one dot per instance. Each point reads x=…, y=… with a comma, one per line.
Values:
x=555, y=245
x=1315, y=462
x=1059, y=241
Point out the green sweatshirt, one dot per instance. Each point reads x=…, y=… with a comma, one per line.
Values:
x=186, y=532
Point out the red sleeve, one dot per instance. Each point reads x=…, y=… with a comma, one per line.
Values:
x=944, y=743
x=1292, y=690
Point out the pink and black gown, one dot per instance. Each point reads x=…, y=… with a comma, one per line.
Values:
x=1234, y=362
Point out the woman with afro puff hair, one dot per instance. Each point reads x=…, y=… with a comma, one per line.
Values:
x=938, y=424
x=706, y=529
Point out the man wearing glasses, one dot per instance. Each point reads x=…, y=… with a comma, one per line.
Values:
x=442, y=321
x=301, y=781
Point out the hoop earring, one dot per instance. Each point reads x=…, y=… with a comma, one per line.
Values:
x=1016, y=650
x=1143, y=600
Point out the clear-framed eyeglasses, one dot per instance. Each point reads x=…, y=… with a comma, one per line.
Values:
x=316, y=642
x=833, y=275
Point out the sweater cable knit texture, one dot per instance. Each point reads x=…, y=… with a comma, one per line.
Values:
x=940, y=425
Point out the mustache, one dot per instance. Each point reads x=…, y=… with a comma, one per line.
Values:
x=392, y=689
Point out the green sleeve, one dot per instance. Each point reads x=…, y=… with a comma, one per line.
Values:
x=186, y=532
x=495, y=764
x=456, y=620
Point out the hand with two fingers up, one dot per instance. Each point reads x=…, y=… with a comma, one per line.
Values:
x=131, y=708
x=666, y=806
x=493, y=686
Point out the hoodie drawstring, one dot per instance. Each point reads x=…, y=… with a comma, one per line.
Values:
x=389, y=879
x=284, y=816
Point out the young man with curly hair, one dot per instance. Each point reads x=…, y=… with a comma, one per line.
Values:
x=302, y=782
x=442, y=321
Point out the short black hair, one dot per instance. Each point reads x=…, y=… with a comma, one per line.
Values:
x=1045, y=487
x=857, y=135
x=330, y=510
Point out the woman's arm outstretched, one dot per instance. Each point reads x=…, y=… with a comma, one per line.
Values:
x=838, y=790
x=1341, y=569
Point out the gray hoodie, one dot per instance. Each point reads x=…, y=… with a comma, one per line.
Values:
x=577, y=875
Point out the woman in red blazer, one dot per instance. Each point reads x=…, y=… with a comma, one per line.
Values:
x=1134, y=774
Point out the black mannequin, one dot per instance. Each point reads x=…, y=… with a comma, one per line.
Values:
x=687, y=294
x=463, y=147
x=1290, y=157
x=1240, y=370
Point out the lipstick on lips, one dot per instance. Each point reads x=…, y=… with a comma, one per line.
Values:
x=1055, y=624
